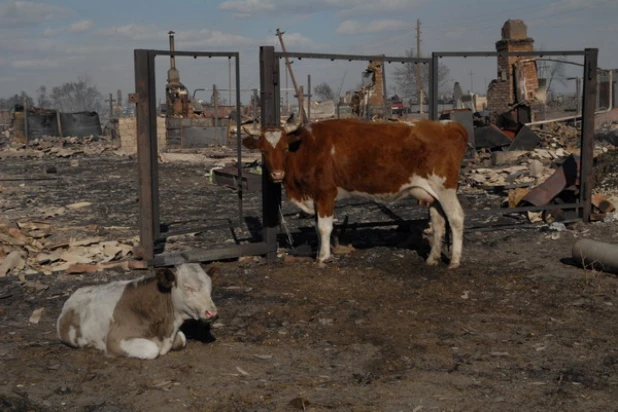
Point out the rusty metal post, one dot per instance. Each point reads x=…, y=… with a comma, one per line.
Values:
x=111, y=106
x=271, y=192
x=308, y=98
x=587, y=132
x=433, y=87
x=215, y=95
x=385, y=104
x=59, y=123
x=255, y=102
x=26, y=122
x=146, y=153
x=238, y=140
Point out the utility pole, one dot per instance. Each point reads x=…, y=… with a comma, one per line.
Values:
x=419, y=86
x=299, y=93
x=111, y=105
x=287, y=101
x=471, y=83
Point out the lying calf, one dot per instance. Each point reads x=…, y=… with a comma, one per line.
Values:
x=138, y=318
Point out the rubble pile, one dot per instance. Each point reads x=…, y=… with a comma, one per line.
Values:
x=558, y=135
x=62, y=147
x=544, y=174
x=606, y=173
x=33, y=247
x=501, y=170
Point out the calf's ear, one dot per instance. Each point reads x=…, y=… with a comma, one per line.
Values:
x=166, y=278
x=213, y=272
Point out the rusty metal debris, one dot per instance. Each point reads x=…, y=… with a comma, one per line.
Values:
x=566, y=176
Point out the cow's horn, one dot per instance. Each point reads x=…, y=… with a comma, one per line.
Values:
x=252, y=130
x=291, y=125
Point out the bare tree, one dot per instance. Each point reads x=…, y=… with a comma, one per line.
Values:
x=17, y=99
x=78, y=96
x=405, y=77
x=42, y=100
x=324, y=92
x=552, y=71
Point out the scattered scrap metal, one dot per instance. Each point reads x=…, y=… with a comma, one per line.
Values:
x=534, y=166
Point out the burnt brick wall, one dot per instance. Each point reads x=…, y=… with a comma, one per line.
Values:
x=503, y=91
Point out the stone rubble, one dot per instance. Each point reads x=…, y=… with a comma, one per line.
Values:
x=514, y=173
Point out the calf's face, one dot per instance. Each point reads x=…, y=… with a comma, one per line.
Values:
x=191, y=289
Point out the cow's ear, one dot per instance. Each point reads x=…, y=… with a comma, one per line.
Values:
x=166, y=278
x=250, y=143
x=213, y=272
x=294, y=140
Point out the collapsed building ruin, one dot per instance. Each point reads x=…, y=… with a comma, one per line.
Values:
x=369, y=99
x=517, y=81
x=177, y=98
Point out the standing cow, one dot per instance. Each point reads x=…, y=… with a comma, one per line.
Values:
x=330, y=160
x=138, y=318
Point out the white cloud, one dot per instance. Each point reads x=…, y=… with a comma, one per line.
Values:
x=203, y=39
x=22, y=44
x=50, y=32
x=134, y=32
x=251, y=8
x=80, y=26
x=247, y=7
x=36, y=63
x=77, y=27
x=376, y=26
x=294, y=40
x=359, y=8
x=17, y=14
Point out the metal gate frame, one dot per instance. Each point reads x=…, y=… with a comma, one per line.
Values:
x=586, y=176
x=149, y=223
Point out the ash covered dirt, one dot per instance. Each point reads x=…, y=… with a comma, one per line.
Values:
x=515, y=328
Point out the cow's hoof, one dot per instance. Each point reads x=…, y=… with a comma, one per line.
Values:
x=454, y=265
x=431, y=261
x=323, y=262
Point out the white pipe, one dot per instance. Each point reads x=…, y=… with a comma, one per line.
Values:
x=558, y=119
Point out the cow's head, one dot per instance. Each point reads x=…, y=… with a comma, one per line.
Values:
x=274, y=143
x=191, y=289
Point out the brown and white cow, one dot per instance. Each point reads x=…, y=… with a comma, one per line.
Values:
x=138, y=318
x=384, y=161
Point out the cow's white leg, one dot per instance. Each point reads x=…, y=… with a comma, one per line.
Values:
x=437, y=225
x=325, y=228
x=180, y=341
x=455, y=215
x=140, y=348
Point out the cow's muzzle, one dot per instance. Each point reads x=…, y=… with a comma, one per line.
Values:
x=277, y=176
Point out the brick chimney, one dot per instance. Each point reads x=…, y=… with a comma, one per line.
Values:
x=505, y=91
x=377, y=98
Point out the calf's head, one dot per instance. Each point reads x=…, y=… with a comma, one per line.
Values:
x=274, y=143
x=191, y=289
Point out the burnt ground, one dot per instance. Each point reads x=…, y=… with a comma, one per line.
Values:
x=517, y=327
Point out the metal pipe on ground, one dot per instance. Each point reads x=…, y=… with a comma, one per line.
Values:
x=595, y=254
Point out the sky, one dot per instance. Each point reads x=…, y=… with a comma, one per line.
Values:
x=53, y=42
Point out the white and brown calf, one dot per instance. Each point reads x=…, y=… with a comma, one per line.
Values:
x=138, y=318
